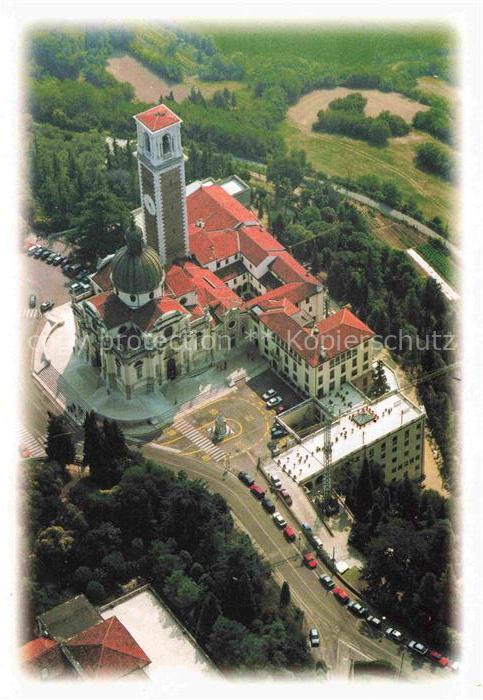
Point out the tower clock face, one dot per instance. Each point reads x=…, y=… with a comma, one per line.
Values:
x=149, y=204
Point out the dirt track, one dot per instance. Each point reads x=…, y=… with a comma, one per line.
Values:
x=304, y=113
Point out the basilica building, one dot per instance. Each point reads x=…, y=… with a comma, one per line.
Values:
x=199, y=276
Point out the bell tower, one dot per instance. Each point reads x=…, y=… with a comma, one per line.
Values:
x=162, y=182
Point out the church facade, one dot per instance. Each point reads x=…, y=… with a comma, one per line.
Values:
x=201, y=276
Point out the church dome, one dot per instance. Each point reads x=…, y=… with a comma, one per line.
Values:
x=136, y=268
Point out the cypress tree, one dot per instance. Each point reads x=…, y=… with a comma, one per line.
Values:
x=364, y=497
x=59, y=444
x=94, y=450
x=210, y=610
x=285, y=595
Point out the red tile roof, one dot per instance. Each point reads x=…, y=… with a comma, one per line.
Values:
x=178, y=282
x=296, y=292
x=289, y=330
x=337, y=333
x=158, y=118
x=211, y=291
x=256, y=244
x=36, y=648
x=107, y=649
x=342, y=331
x=216, y=208
x=43, y=658
x=286, y=268
x=208, y=246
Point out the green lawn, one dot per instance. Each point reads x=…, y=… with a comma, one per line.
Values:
x=344, y=157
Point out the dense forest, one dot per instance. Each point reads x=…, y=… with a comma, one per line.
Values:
x=407, y=536
x=134, y=518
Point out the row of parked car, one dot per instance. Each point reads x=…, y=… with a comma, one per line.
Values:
x=358, y=610
x=51, y=258
x=260, y=494
x=273, y=400
x=310, y=561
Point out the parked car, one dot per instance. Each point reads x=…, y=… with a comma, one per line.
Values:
x=32, y=301
x=394, y=634
x=46, y=253
x=280, y=409
x=73, y=270
x=75, y=288
x=246, y=478
x=268, y=394
x=275, y=481
x=257, y=491
x=274, y=401
x=314, y=637
x=374, y=621
x=341, y=595
x=268, y=505
x=65, y=262
x=82, y=274
x=289, y=533
x=438, y=658
x=39, y=252
x=306, y=528
x=310, y=561
x=286, y=496
x=46, y=305
x=327, y=582
x=357, y=609
x=32, y=250
x=279, y=520
x=50, y=258
x=57, y=260
x=277, y=432
x=417, y=647
x=317, y=542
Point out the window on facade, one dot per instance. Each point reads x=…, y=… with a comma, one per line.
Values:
x=331, y=386
x=133, y=297
x=167, y=146
x=332, y=373
x=147, y=143
x=139, y=369
x=168, y=332
x=366, y=356
x=365, y=366
x=151, y=295
x=118, y=368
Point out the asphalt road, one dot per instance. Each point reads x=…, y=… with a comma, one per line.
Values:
x=342, y=636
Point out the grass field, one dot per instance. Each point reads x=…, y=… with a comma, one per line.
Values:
x=440, y=261
x=337, y=46
x=344, y=157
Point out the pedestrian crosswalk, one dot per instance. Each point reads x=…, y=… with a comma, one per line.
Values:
x=31, y=313
x=26, y=440
x=190, y=432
